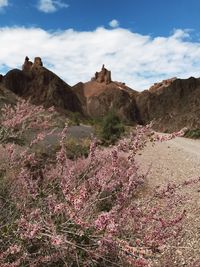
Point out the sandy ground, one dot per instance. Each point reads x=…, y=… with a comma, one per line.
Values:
x=175, y=161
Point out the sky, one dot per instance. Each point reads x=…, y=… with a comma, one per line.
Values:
x=140, y=41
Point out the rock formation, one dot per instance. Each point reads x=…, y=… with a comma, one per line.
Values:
x=104, y=76
x=171, y=104
x=27, y=64
x=42, y=86
x=161, y=85
x=37, y=63
x=101, y=94
x=172, y=108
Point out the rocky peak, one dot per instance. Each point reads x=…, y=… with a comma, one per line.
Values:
x=104, y=76
x=37, y=63
x=161, y=85
x=28, y=65
x=41, y=86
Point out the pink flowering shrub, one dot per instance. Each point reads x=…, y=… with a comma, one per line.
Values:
x=83, y=212
x=24, y=116
x=17, y=120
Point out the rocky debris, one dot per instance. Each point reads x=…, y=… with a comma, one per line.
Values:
x=41, y=86
x=161, y=85
x=104, y=76
x=1, y=78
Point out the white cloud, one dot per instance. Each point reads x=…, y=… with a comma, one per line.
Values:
x=114, y=23
x=51, y=6
x=138, y=60
x=3, y=3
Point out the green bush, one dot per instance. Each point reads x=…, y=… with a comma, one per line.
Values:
x=75, y=119
x=111, y=128
x=77, y=148
x=193, y=133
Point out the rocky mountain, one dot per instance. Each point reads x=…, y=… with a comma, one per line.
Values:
x=6, y=96
x=171, y=104
x=101, y=94
x=171, y=107
x=158, y=87
x=41, y=85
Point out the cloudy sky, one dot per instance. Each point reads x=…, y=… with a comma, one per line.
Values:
x=140, y=41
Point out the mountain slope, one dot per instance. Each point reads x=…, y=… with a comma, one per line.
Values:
x=101, y=94
x=6, y=96
x=41, y=86
x=172, y=107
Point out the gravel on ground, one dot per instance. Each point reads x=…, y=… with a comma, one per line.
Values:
x=175, y=161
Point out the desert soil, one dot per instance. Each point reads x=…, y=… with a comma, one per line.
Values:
x=175, y=161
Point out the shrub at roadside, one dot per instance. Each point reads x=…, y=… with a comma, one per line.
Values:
x=77, y=148
x=194, y=133
x=111, y=128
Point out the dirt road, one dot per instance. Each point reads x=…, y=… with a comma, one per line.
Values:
x=175, y=161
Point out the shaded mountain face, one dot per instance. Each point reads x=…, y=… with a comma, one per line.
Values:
x=6, y=97
x=41, y=86
x=101, y=94
x=171, y=107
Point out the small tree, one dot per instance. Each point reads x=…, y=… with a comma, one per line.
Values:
x=111, y=128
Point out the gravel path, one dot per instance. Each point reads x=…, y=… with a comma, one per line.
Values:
x=175, y=161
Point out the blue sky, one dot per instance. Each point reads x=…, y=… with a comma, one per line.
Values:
x=155, y=17
x=141, y=41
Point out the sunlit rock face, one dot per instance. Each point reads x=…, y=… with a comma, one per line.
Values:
x=101, y=94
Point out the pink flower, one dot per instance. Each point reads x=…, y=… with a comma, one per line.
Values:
x=57, y=240
x=14, y=249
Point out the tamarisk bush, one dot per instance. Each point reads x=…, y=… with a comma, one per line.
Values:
x=18, y=119
x=83, y=212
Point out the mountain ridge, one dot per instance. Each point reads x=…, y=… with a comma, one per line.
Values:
x=171, y=104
